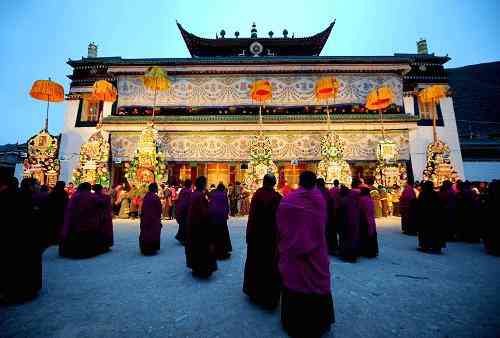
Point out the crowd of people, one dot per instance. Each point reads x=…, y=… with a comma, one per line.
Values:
x=290, y=234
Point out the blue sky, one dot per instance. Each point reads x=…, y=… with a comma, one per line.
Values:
x=38, y=37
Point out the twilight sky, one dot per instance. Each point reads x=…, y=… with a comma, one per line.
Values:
x=38, y=37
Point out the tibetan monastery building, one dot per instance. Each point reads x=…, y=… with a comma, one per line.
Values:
x=206, y=119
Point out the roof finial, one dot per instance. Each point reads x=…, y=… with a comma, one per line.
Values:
x=253, y=32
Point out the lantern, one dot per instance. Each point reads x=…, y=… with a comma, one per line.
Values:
x=47, y=90
x=261, y=91
x=156, y=79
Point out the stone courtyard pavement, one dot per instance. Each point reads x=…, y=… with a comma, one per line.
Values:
x=403, y=293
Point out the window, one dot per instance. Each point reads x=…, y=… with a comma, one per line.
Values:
x=88, y=112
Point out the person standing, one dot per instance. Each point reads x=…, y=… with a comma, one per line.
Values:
x=105, y=217
x=349, y=232
x=149, y=237
x=218, y=210
x=407, y=209
x=431, y=235
x=81, y=236
x=306, y=302
x=262, y=281
x=233, y=200
x=182, y=208
x=200, y=257
x=57, y=203
x=368, y=228
x=21, y=244
x=330, y=227
x=492, y=229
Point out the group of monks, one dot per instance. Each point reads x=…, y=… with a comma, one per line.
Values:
x=456, y=211
x=289, y=237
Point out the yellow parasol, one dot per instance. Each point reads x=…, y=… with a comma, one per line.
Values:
x=380, y=99
x=262, y=92
x=47, y=90
x=431, y=96
x=326, y=88
x=104, y=91
x=156, y=79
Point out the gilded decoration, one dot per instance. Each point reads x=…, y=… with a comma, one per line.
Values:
x=438, y=166
x=228, y=90
x=94, y=157
x=147, y=164
x=232, y=146
x=261, y=161
x=333, y=165
x=42, y=162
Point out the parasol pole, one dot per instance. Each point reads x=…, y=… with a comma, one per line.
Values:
x=154, y=102
x=47, y=115
x=382, y=123
x=434, y=113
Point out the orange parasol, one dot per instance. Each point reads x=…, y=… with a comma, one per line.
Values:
x=262, y=92
x=431, y=96
x=379, y=99
x=326, y=87
x=156, y=79
x=47, y=90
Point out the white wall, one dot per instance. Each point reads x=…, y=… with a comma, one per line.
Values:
x=71, y=140
x=482, y=171
x=422, y=136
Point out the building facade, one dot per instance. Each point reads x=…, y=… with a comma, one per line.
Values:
x=206, y=119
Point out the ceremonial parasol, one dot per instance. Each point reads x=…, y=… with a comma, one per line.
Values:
x=47, y=90
x=102, y=90
x=379, y=99
x=262, y=92
x=156, y=79
x=431, y=96
x=326, y=88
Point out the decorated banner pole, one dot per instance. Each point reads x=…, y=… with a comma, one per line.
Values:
x=327, y=88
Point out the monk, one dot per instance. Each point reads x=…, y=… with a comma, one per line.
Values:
x=218, y=210
x=306, y=302
x=492, y=229
x=431, y=233
x=331, y=227
x=349, y=233
x=448, y=200
x=368, y=228
x=57, y=203
x=407, y=209
x=200, y=256
x=181, y=210
x=81, y=235
x=262, y=280
x=105, y=217
x=149, y=237
x=21, y=244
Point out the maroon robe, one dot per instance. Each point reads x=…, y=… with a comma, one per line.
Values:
x=262, y=280
x=331, y=226
x=218, y=210
x=57, y=204
x=368, y=228
x=349, y=232
x=200, y=256
x=105, y=219
x=181, y=213
x=149, y=237
x=407, y=207
x=81, y=235
x=307, y=304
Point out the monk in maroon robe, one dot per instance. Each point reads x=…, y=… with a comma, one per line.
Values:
x=262, y=281
x=331, y=226
x=57, y=203
x=368, y=228
x=149, y=237
x=492, y=229
x=81, y=236
x=306, y=303
x=431, y=231
x=407, y=208
x=181, y=210
x=21, y=242
x=105, y=217
x=350, y=216
x=218, y=210
x=200, y=255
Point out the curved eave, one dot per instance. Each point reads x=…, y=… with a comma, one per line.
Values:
x=313, y=44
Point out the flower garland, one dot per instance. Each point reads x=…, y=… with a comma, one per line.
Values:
x=332, y=147
x=94, y=156
x=438, y=167
x=42, y=151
